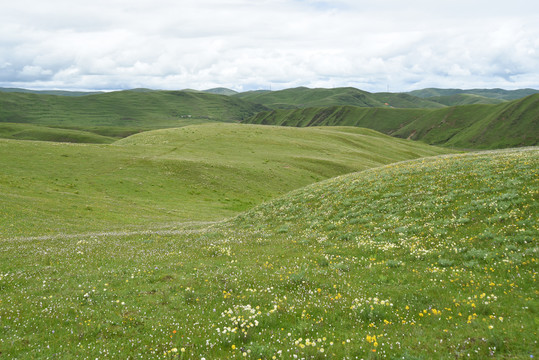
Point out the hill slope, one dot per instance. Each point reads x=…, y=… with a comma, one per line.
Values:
x=50, y=92
x=427, y=259
x=203, y=172
x=509, y=124
x=500, y=94
x=303, y=97
x=45, y=133
x=124, y=111
x=464, y=99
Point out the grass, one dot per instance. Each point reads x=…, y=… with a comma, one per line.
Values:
x=464, y=99
x=194, y=173
x=509, y=124
x=303, y=97
x=104, y=117
x=122, y=113
x=499, y=94
x=431, y=258
x=45, y=133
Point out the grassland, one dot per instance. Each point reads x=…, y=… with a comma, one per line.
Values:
x=499, y=94
x=508, y=124
x=303, y=97
x=171, y=243
x=119, y=114
x=46, y=133
x=431, y=258
x=464, y=99
x=194, y=173
x=105, y=117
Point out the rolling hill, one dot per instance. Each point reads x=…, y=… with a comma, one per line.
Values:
x=50, y=92
x=508, y=124
x=464, y=99
x=303, y=97
x=125, y=112
x=500, y=94
x=424, y=259
x=101, y=118
x=45, y=133
x=193, y=173
x=221, y=91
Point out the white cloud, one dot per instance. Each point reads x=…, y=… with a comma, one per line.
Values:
x=245, y=44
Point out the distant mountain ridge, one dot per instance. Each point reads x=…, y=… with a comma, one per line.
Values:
x=50, y=92
x=116, y=114
x=302, y=97
x=483, y=120
x=488, y=93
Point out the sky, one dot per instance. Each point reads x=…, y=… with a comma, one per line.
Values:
x=375, y=45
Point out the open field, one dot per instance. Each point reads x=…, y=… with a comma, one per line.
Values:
x=149, y=225
x=195, y=173
x=430, y=258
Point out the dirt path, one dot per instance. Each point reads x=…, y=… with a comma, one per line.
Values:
x=188, y=228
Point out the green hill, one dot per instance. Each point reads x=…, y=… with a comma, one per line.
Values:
x=500, y=94
x=203, y=172
x=303, y=97
x=508, y=124
x=122, y=112
x=221, y=91
x=464, y=99
x=45, y=133
x=428, y=259
x=50, y=92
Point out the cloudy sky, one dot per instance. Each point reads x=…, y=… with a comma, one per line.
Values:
x=372, y=45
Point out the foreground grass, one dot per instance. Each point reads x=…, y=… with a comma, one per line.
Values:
x=433, y=258
x=195, y=173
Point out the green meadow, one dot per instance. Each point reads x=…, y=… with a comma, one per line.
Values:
x=421, y=259
x=193, y=173
x=153, y=225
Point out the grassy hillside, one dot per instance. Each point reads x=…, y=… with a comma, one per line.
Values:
x=221, y=91
x=500, y=94
x=130, y=111
x=50, y=92
x=303, y=97
x=45, y=133
x=195, y=173
x=509, y=124
x=434, y=258
x=464, y=99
